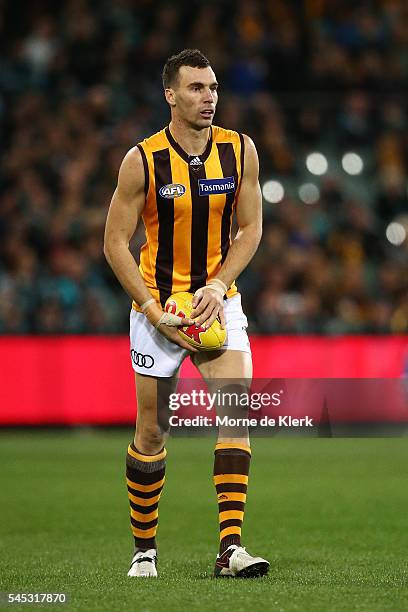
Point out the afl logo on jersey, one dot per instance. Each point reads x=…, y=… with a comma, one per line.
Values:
x=173, y=190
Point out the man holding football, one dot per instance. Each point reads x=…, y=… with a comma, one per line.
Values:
x=185, y=182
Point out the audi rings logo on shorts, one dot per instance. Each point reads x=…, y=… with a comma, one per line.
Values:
x=143, y=361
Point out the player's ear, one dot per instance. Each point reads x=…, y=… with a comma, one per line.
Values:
x=170, y=96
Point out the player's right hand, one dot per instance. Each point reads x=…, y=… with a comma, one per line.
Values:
x=167, y=324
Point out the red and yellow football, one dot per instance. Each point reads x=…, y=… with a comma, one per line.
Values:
x=203, y=339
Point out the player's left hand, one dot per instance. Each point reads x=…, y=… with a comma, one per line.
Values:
x=208, y=303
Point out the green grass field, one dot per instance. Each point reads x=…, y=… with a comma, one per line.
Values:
x=330, y=515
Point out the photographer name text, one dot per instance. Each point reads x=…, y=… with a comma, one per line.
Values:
x=225, y=421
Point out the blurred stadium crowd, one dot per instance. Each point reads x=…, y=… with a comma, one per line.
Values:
x=80, y=83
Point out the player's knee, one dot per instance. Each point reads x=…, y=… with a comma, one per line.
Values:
x=149, y=438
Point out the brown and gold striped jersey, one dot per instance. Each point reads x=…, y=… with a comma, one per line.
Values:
x=188, y=213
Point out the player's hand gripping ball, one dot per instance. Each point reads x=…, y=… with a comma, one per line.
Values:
x=203, y=339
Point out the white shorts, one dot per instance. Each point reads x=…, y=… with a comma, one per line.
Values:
x=153, y=355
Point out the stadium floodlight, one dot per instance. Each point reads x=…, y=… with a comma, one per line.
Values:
x=317, y=163
x=309, y=193
x=352, y=163
x=273, y=191
x=396, y=233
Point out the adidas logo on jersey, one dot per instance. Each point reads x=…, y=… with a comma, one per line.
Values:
x=196, y=161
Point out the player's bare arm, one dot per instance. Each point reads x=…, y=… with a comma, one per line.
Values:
x=209, y=301
x=124, y=213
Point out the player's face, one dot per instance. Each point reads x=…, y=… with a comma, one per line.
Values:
x=194, y=96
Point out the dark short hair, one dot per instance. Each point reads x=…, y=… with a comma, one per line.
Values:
x=188, y=57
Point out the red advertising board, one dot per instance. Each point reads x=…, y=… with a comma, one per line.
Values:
x=74, y=380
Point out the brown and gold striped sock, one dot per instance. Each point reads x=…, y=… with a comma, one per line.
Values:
x=145, y=480
x=231, y=469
